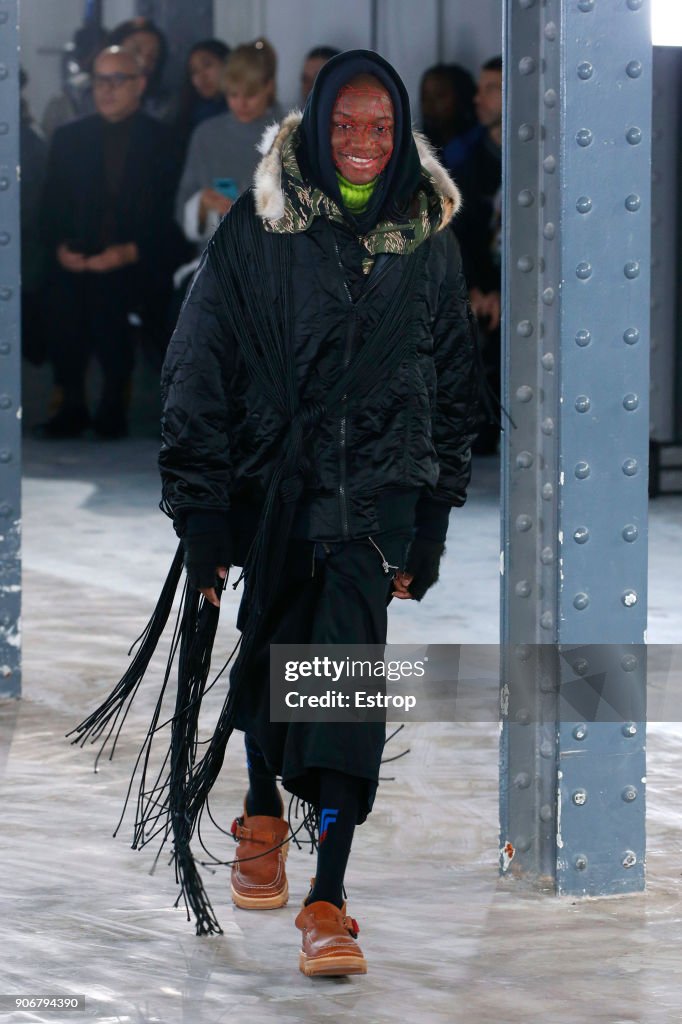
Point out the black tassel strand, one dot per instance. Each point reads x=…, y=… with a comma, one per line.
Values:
x=93, y=726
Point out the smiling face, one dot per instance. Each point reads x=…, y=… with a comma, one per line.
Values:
x=362, y=130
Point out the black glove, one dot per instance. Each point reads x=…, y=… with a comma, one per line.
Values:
x=431, y=519
x=207, y=543
x=423, y=562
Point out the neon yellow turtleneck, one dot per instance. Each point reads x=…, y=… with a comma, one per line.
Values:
x=355, y=197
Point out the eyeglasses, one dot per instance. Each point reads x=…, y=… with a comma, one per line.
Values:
x=115, y=81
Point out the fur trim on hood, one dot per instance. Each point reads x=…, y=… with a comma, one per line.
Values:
x=267, y=183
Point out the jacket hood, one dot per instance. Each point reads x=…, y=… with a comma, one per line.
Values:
x=269, y=188
x=396, y=184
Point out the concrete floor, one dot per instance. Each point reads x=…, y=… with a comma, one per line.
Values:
x=446, y=939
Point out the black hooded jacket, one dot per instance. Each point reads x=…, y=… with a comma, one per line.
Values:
x=408, y=442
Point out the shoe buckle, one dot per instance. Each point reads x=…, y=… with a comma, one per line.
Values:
x=352, y=926
x=234, y=827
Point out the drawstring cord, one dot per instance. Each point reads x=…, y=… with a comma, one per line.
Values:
x=384, y=563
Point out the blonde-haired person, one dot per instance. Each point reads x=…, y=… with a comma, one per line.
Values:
x=222, y=154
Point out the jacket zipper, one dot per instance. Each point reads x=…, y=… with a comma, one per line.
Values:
x=343, y=426
x=374, y=281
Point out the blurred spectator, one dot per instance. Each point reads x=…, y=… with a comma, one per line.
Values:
x=317, y=58
x=202, y=93
x=448, y=113
x=107, y=215
x=478, y=226
x=75, y=100
x=147, y=43
x=222, y=153
x=33, y=159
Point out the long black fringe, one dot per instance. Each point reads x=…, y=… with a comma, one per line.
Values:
x=123, y=693
x=176, y=799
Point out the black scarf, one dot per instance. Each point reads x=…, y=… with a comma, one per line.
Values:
x=399, y=179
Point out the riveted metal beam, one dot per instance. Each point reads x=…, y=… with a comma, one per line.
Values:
x=10, y=356
x=665, y=213
x=574, y=518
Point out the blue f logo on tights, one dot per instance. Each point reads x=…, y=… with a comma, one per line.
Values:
x=327, y=818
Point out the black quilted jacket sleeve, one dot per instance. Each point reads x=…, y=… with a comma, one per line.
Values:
x=195, y=458
x=457, y=369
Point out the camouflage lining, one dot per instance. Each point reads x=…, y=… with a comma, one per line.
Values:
x=302, y=203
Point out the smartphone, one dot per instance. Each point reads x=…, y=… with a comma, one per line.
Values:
x=227, y=187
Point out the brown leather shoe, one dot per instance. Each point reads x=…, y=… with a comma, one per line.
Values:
x=260, y=883
x=329, y=947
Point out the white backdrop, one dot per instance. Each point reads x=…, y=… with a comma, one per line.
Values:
x=408, y=33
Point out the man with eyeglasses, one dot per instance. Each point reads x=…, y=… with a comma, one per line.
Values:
x=108, y=223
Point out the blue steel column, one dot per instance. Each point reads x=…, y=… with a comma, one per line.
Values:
x=10, y=356
x=576, y=352
x=666, y=207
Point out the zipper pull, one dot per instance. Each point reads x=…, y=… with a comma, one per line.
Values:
x=384, y=564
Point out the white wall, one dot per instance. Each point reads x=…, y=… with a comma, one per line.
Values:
x=408, y=38
x=49, y=24
x=408, y=33
x=472, y=32
x=294, y=26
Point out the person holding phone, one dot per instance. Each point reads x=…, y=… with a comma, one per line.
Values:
x=222, y=154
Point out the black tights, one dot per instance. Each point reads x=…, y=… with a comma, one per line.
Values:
x=263, y=796
x=338, y=811
x=337, y=807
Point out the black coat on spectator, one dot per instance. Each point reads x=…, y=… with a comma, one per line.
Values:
x=477, y=226
x=75, y=198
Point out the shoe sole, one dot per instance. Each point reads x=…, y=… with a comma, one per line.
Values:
x=331, y=966
x=280, y=899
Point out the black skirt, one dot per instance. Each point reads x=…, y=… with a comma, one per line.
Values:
x=332, y=593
